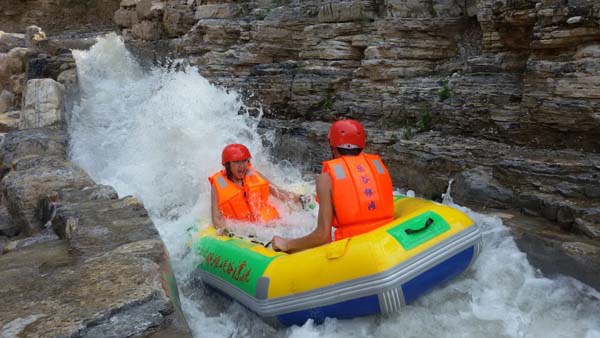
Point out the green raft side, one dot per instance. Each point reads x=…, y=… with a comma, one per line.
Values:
x=233, y=261
x=413, y=232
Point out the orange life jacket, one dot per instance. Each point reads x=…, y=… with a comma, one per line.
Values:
x=247, y=203
x=361, y=192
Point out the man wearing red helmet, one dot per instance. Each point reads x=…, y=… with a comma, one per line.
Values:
x=241, y=193
x=354, y=191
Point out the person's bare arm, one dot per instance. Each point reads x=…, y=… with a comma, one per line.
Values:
x=217, y=218
x=322, y=234
x=280, y=193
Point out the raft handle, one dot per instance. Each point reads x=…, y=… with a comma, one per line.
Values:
x=250, y=238
x=427, y=224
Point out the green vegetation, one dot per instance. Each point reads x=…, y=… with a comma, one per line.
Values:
x=327, y=103
x=424, y=121
x=262, y=15
x=408, y=133
x=444, y=92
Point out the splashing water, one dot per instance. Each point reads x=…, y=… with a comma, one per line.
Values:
x=158, y=134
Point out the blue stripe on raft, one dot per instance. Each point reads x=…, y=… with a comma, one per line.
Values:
x=437, y=275
x=363, y=306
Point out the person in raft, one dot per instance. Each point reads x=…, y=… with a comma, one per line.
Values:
x=354, y=191
x=239, y=192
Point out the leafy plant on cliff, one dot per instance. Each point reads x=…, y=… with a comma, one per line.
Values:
x=263, y=14
x=424, y=121
x=444, y=91
x=327, y=103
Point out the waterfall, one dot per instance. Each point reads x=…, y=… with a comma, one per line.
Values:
x=157, y=134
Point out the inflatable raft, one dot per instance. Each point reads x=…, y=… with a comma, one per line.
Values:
x=377, y=272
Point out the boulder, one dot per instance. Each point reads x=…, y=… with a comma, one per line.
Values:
x=150, y=10
x=24, y=143
x=7, y=101
x=34, y=36
x=125, y=18
x=9, y=41
x=50, y=292
x=178, y=20
x=9, y=66
x=478, y=186
x=43, y=104
x=30, y=180
x=17, y=83
x=148, y=30
x=69, y=80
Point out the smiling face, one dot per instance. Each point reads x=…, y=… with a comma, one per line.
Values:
x=239, y=169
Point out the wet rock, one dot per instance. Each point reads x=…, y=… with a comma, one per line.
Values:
x=178, y=19
x=478, y=186
x=49, y=66
x=24, y=143
x=94, y=226
x=150, y=10
x=43, y=104
x=131, y=321
x=125, y=18
x=589, y=228
x=69, y=80
x=9, y=41
x=32, y=178
x=148, y=30
x=556, y=252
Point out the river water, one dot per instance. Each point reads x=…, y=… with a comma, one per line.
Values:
x=157, y=134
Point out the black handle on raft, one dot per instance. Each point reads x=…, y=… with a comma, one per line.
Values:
x=250, y=238
x=427, y=224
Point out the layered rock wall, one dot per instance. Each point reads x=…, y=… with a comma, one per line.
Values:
x=57, y=16
x=75, y=259
x=499, y=96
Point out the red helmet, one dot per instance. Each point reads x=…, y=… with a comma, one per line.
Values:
x=235, y=152
x=347, y=134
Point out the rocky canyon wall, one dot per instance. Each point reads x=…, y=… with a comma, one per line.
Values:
x=499, y=96
x=502, y=97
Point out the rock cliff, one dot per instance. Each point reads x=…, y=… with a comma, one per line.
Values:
x=502, y=97
x=499, y=96
x=75, y=259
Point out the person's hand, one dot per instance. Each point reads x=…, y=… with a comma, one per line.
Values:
x=279, y=244
x=222, y=232
x=307, y=202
